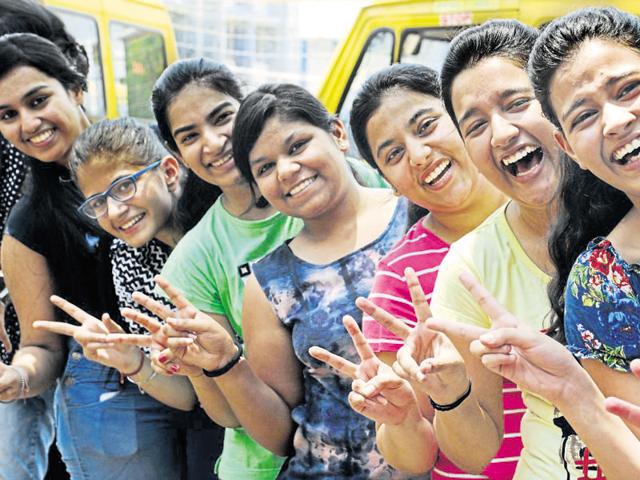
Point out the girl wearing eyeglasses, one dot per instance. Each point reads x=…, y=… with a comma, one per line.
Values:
x=105, y=429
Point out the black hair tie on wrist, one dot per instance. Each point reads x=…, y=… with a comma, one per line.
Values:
x=451, y=406
x=230, y=364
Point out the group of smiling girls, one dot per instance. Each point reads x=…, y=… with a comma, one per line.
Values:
x=296, y=305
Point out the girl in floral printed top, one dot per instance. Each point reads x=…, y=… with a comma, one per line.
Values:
x=585, y=68
x=603, y=309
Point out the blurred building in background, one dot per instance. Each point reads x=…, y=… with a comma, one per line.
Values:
x=264, y=40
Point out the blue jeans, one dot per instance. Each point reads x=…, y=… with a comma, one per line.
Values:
x=108, y=430
x=26, y=433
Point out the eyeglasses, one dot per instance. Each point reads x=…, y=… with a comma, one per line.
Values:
x=121, y=190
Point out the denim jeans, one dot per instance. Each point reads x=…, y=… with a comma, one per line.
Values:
x=26, y=433
x=108, y=430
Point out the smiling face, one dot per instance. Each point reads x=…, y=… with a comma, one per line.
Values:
x=38, y=115
x=596, y=96
x=147, y=214
x=418, y=150
x=299, y=168
x=201, y=121
x=503, y=129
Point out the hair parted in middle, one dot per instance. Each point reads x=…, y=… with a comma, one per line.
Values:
x=509, y=39
x=401, y=76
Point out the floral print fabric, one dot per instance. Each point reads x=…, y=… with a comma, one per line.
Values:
x=331, y=441
x=602, y=308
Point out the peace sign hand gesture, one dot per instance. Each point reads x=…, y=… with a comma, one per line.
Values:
x=427, y=359
x=189, y=341
x=532, y=360
x=377, y=393
x=92, y=335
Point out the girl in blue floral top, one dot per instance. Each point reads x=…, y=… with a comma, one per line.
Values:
x=602, y=307
x=585, y=69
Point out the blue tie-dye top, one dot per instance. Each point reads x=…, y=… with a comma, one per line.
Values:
x=602, y=308
x=331, y=441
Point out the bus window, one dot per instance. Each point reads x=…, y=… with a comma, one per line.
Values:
x=376, y=55
x=426, y=46
x=85, y=30
x=138, y=60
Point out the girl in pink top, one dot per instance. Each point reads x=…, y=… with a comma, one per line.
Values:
x=402, y=129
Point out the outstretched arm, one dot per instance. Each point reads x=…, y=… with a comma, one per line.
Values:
x=271, y=376
x=471, y=449
x=92, y=335
x=541, y=365
x=405, y=438
x=179, y=346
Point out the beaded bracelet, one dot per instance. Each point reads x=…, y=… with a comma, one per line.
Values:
x=230, y=364
x=451, y=406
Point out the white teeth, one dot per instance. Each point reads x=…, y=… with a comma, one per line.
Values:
x=627, y=149
x=132, y=222
x=301, y=186
x=41, y=137
x=223, y=160
x=519, y=155
x=437, y=171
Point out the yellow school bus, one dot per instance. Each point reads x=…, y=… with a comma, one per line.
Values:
x=129, y=43
x=418, y=31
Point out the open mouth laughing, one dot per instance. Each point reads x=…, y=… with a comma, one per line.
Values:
x=523, y=161
x=437, y=173
x=628, y=153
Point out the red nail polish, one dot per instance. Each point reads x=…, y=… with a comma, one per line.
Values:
x=162, y=358
x=175, y=368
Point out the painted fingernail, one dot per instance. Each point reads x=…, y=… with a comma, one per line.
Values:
x=162, y=358
x=175, y=368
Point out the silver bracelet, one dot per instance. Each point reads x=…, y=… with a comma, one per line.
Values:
x=150, y=377
x=24, y=385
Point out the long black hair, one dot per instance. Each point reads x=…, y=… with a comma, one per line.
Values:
x=57, y=199
x=176, y=77
x=407, y=77
x=588, y=207
x=26, y=16
x=509, y=39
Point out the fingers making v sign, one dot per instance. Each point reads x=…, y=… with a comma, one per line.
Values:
x=188, y=342
x=427, y=359
x=377, y=393
x=92, y=335
x=529, y=358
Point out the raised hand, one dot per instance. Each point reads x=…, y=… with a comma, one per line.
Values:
x=427, y=359
x=377, y=392
x=92, y=335
x=626, y=410
x=532, y=360
x=190, y=340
